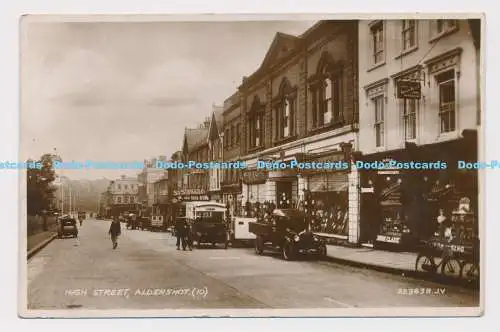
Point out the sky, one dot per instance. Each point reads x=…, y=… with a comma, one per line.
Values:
x=125, y=91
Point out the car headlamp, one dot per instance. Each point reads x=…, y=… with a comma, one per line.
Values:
x=296, y=238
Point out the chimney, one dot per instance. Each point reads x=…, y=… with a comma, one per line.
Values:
x=244, y=79
x=206, y=123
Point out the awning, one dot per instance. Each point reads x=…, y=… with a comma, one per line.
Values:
x=331, y=182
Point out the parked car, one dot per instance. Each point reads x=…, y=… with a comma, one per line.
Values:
x=240, y=232
x=207, y=220
x=286, y=231
x=67, y=227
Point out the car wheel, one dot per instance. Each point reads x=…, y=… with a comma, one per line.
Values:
x=259, y=245
x=287, y=251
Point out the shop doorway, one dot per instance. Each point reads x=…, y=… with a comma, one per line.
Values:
x=284, y=194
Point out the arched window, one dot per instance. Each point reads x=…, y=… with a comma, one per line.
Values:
x=285, y=111
x=256, y=123
x=326, y=93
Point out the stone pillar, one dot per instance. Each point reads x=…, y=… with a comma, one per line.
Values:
x=244, y=194
x=354, y=203
x=302, y=185
x=270, y=191
x=301, y=118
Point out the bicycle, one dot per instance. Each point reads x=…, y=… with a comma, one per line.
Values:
x=449, y=265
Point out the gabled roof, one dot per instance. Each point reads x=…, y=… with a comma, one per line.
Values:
x=281, y=46
x=215, y=123
x=194, y=138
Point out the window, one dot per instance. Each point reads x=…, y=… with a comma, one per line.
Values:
x=119, y=200
x=410, y=118
x=238, y=134
x=446, y=83
x=256, y=124
x=328, y=109
x=226, y=139
x=409, y=34
x=377, y=41
x=443, y=26
x=125, y=187
x=119, y=187
x=233, y=136
x=257, y=131
x=378, y=103
x=285, y=118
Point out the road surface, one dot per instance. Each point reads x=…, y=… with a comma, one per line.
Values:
x=147, y=272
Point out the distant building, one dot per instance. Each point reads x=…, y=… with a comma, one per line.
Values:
x=122, y=195
x=149, y=175
x=195, y=182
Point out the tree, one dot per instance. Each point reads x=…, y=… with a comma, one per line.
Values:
x=40, y=190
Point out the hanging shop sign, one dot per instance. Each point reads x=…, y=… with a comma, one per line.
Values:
x=409, y=89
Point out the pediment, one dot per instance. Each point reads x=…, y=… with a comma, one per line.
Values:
x=281, y=46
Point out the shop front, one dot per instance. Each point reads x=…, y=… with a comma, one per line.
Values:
x=285, y=184
x=403, y=207
x=232, y=197
x=326, y=198
x=255, y=192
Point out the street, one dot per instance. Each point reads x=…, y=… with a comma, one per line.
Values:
x=147, y=272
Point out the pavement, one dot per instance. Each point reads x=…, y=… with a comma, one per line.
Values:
x=374, y=258
x=147, y=272
x=38, y=241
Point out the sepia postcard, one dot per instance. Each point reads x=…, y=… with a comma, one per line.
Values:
x=251, y=165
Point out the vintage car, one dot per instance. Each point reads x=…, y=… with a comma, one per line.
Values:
x=67, y=227
x=208, y=223
x=286, y=231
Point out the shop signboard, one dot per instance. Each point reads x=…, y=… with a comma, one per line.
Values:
x=255, y=176
x=407, y=89
x=191, y=194
x=389, y=239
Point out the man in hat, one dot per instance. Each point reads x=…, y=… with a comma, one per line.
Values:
x=115, y=231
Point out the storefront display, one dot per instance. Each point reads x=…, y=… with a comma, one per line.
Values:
x=327, y=202
x=403, y=206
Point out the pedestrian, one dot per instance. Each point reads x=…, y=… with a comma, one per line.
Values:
x=189, y=235
x=180, y=233
x=114, y=232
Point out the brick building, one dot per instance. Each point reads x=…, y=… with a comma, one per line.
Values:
x=301, y=104
x=231, y=181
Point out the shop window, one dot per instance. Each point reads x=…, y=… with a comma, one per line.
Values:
x=378, y=104
x=446, y=83
x=409, y=34
x=410, y=118
x=377, y=42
